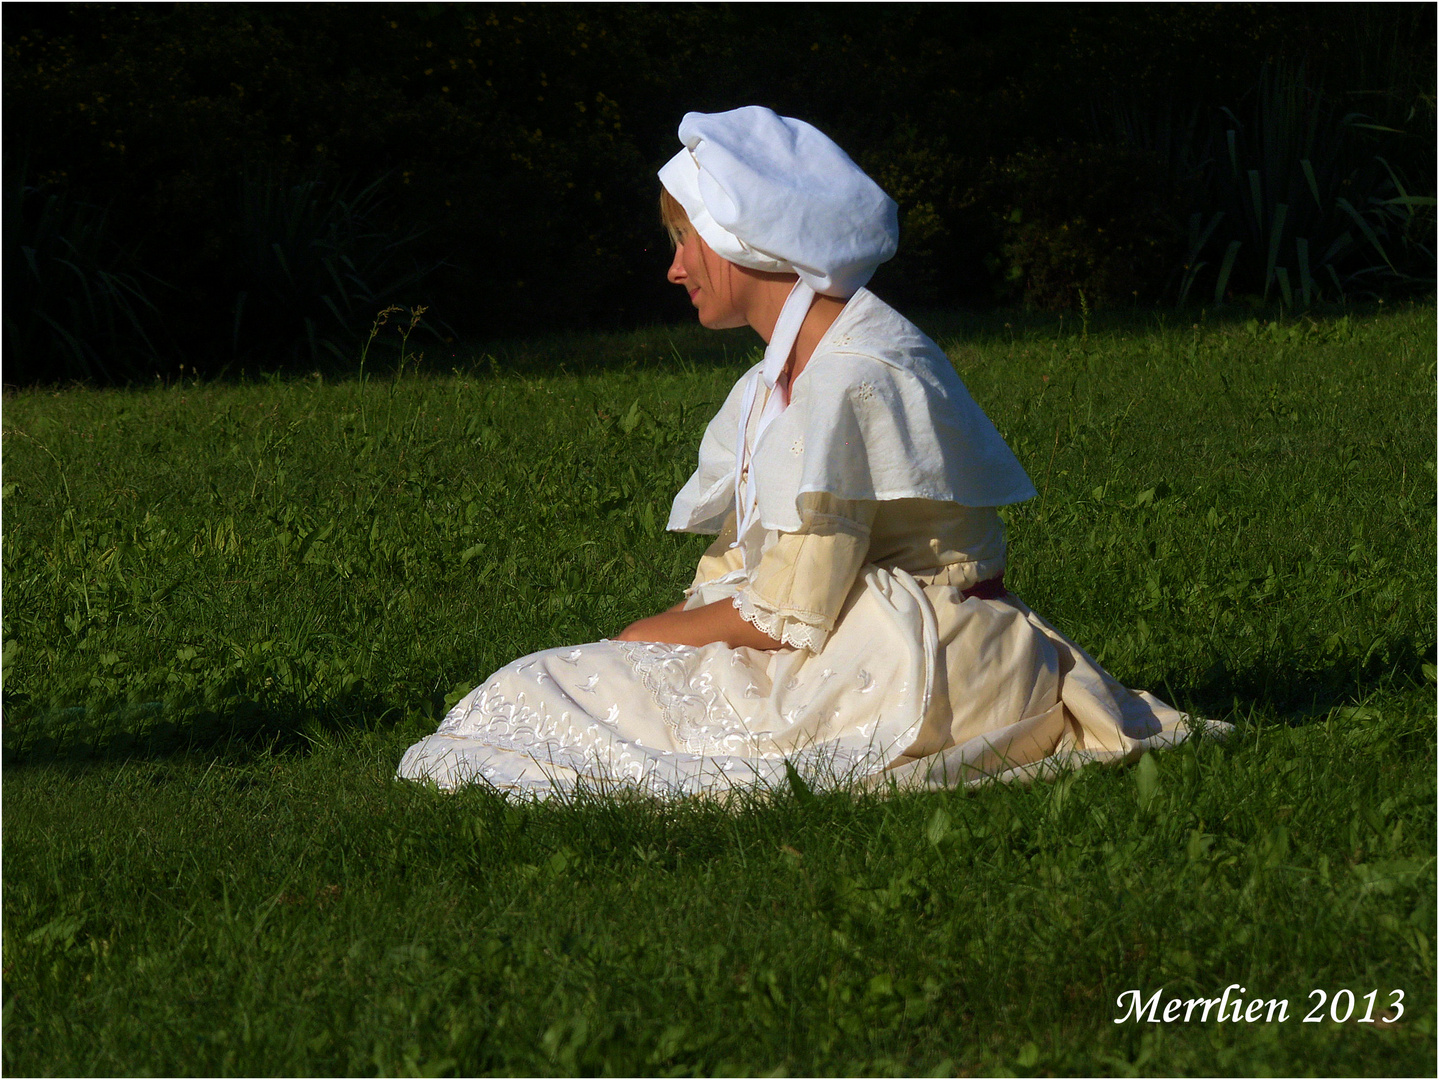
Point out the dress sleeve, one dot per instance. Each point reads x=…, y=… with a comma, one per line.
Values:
x=719, y=558
x=803, y=577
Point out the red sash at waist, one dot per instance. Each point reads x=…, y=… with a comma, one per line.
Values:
x=993, y=589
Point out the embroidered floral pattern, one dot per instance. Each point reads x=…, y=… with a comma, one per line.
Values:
x=547, y=716
x=541, y=735
x=694, y=708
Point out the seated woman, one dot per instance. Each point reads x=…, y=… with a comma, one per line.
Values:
x=851, y=617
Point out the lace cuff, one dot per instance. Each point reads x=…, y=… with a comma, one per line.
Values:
x=787, y=627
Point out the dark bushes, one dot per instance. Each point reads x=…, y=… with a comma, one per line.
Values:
x=1286, y=197
x=1082, y=219
x=518, y=146
x=77, y=304
x=1290, y=196
x=313, y=263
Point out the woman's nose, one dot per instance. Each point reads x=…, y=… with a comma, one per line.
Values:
x=677, y=271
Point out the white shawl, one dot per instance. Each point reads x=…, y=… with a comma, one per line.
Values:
x=878, y=413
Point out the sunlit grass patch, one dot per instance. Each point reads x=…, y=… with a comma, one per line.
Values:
x=228, y=609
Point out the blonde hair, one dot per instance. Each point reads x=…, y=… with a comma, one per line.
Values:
x=676, y=221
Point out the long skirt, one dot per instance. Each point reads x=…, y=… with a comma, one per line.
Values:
x=917, y=686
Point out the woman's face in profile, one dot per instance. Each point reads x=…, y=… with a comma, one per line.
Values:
x=709, y=280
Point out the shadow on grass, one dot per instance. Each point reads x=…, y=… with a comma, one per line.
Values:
x=671, y=348
x=240, y=731
x=1294, y=696
x=687, y=346
x=245, y=730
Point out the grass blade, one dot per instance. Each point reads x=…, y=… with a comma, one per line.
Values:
x=1190, y=274
x=1224, y=270
x=1276, y=234
x=1306, y=283
x=1342, y=241
x=1196, y=246
x=1335, y=277
x=1368, y=232
x=1282, y=275
x=1313, y=184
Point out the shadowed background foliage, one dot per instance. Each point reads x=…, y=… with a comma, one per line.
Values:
x=230, y=185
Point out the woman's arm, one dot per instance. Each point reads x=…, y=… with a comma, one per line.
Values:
x=804, y=577
x=719, y=621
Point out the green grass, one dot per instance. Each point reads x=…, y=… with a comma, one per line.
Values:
x=228, y=608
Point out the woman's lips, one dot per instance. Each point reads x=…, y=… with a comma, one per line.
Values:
x=693, y=294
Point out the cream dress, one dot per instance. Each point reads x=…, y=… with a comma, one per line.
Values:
x=887, y=674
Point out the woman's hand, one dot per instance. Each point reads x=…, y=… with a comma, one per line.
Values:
x=719, y=621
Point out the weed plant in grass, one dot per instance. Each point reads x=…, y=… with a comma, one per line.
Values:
x=227, y=609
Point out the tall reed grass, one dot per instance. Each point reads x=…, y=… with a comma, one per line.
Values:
x=1289, y=196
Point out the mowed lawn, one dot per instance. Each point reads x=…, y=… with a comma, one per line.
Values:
x=228, y=609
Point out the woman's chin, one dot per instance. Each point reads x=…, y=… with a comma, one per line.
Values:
x=721, y=322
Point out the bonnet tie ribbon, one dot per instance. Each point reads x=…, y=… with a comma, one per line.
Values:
x=776, y=356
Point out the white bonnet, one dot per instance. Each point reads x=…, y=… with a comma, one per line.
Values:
x=776, y=194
